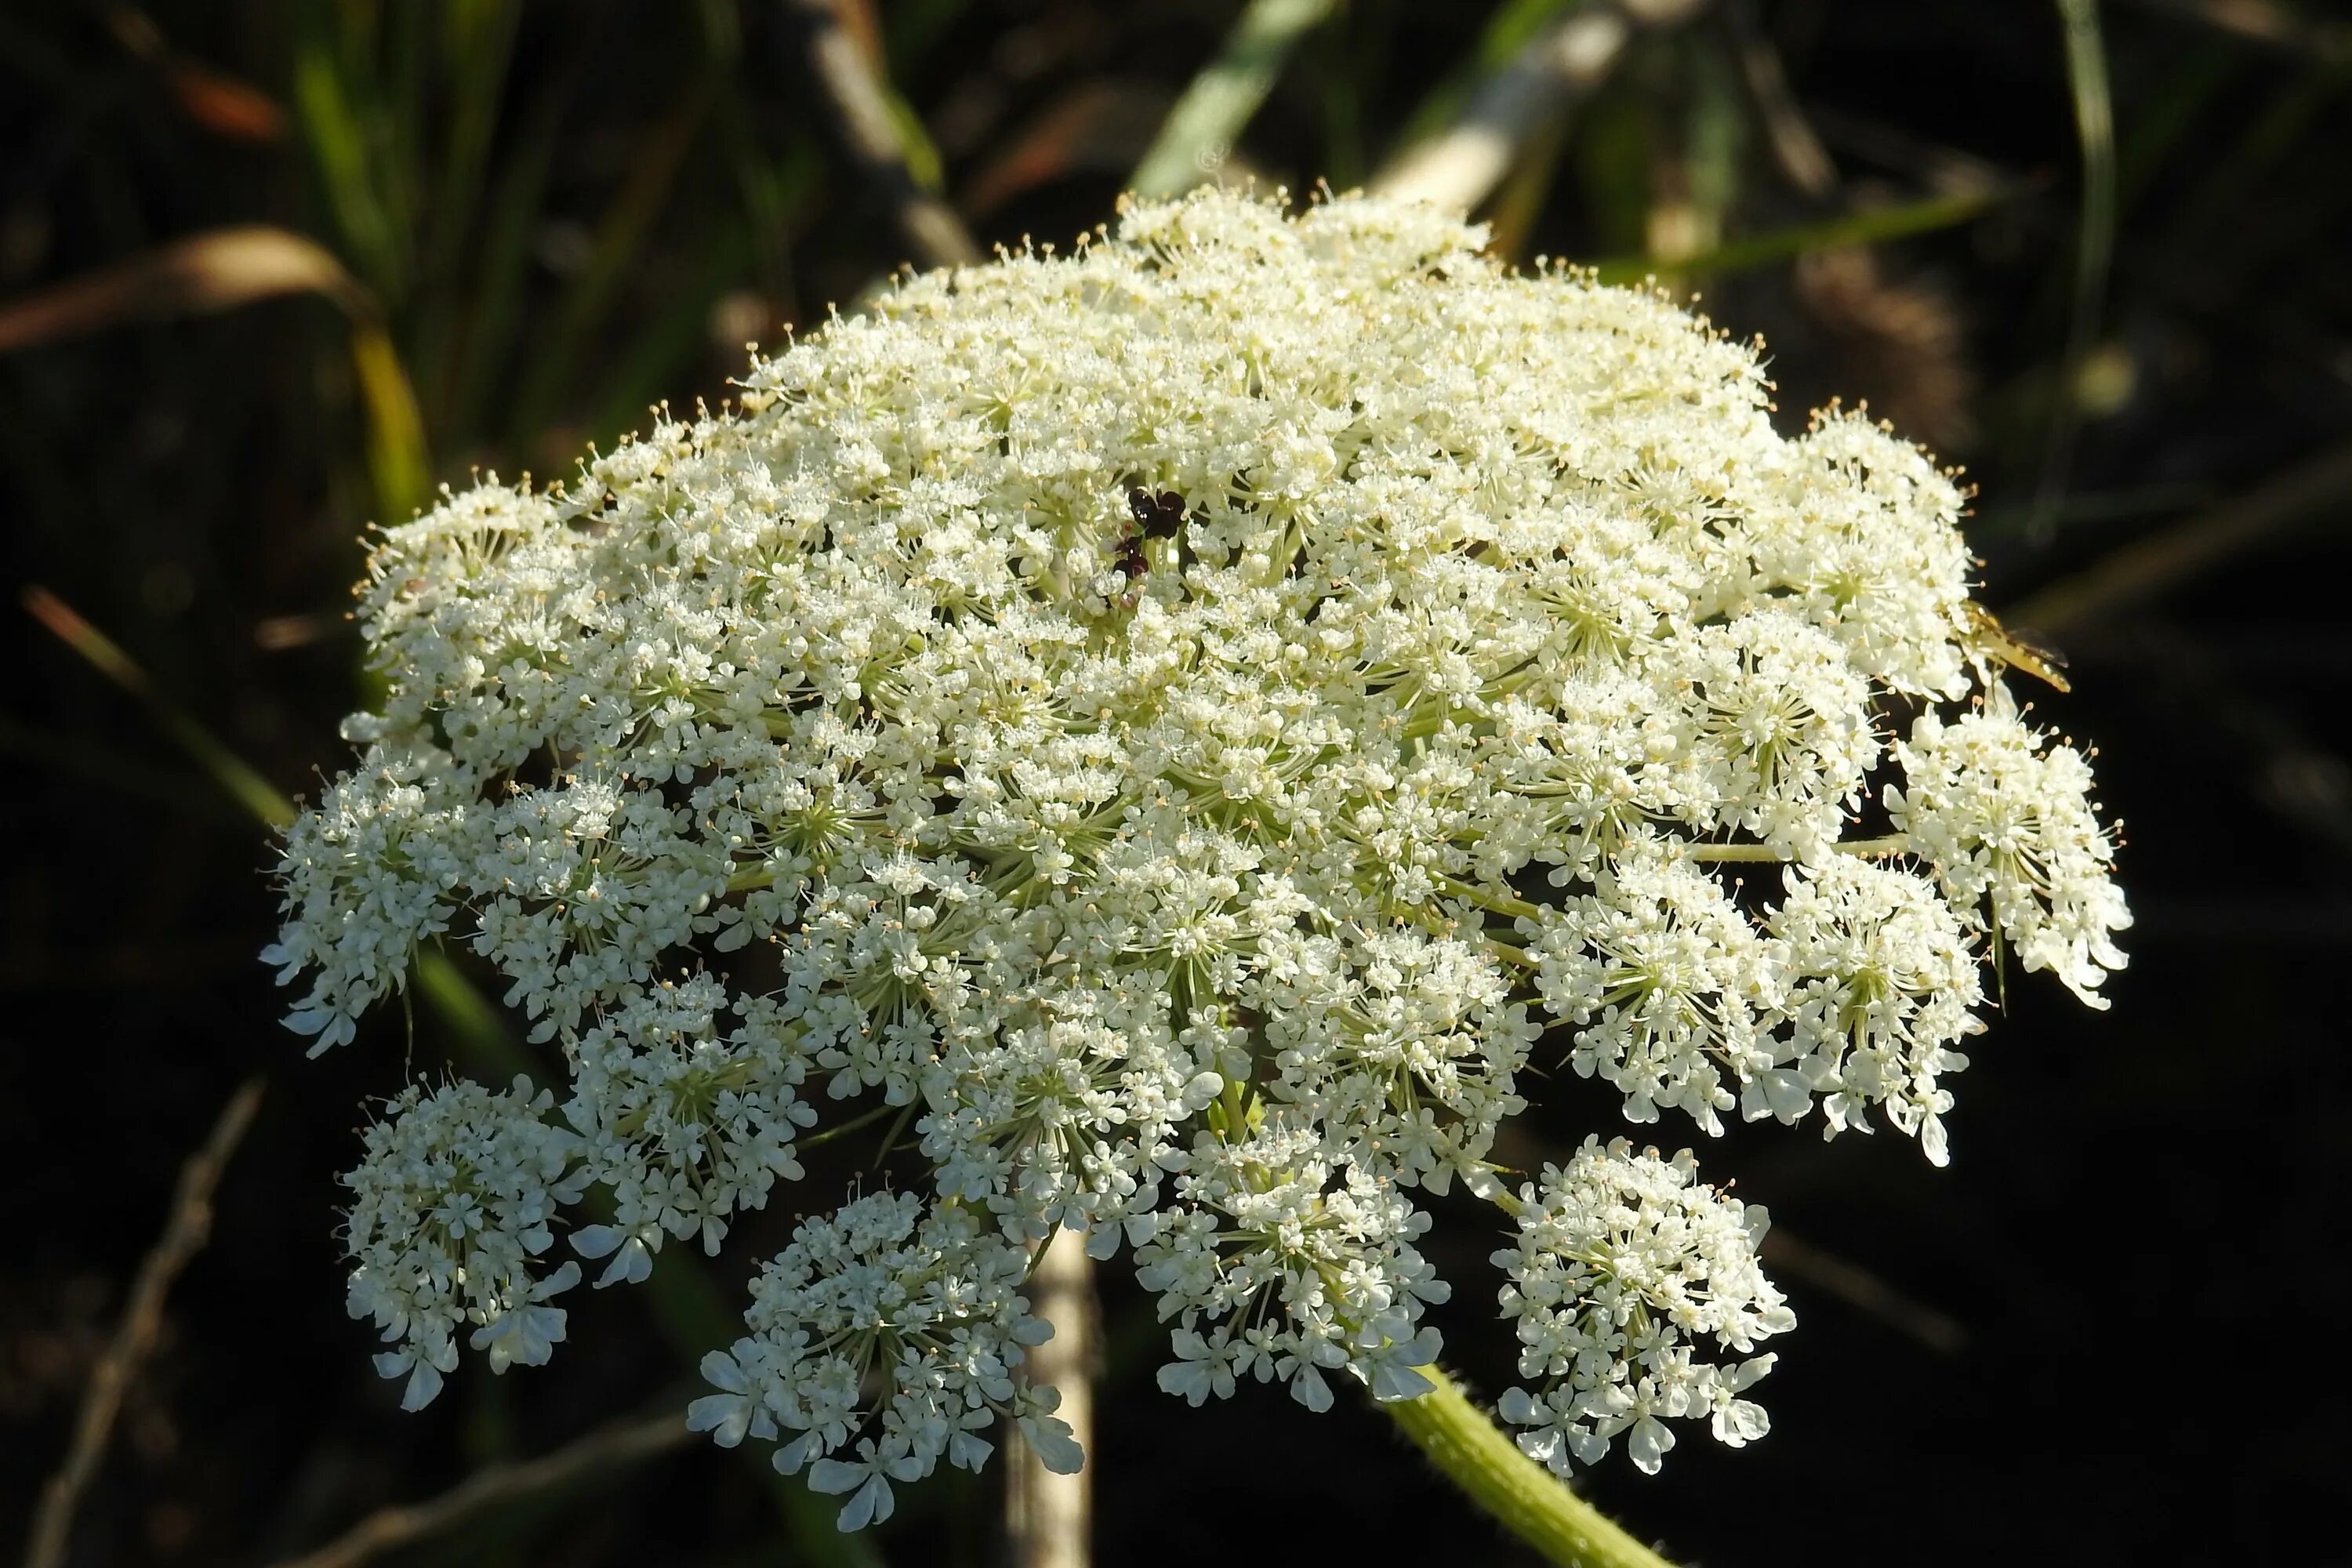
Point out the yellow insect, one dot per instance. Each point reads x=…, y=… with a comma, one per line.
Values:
x=1988, y=640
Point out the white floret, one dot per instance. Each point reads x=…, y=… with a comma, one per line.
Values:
x=883, y=1339
x=451, y=1207
x=1624, y=1270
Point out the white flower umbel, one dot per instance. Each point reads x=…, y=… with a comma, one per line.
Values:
x=1774, y=727
x=1196, y=727
x=1410, y=1064
x=1881, y=984
x=371, y=869
x=1280, y=1261
x=1066, y=1115
x=1624, y=1272
x=2005, y=817
x=450, y=1209
x=884, y=1337
x=1666, y=981
x=684, y=1126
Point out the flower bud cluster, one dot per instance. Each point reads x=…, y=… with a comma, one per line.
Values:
x=1191, y=730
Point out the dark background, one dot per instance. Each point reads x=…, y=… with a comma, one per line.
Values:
x=2109, y=1332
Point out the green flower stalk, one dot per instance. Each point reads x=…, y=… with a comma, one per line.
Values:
x=1520, y=1495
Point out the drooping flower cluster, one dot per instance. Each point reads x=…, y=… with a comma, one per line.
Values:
x=1624, y=1271
x=684, y=1127
x=924, y=1299
x=1190, y=725
x=450, y=1210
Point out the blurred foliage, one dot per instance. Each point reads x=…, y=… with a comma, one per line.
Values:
x=272, y=269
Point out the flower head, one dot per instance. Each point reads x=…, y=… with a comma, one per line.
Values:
x=1282, y=1260
x=883, y=1338
x=1067, y=1115
x=2005, y=817
x=1881, y=984
x=450, y=1209
x=684, y=1125
x=1198, y=725
x=1665, y=980
x=1624, y=1271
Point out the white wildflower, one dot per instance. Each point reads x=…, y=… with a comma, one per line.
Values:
x=450, y=1209
x=1666, y=980
x=1775, y=725
x=1881, y=983
x=582, y=887
x=1278, y=1261
x=2006, y=817
x=1866, y=531
x=1579, y=771
x=881, y=968
x=1193, y=727
x=1411, y=1063
x=883, y=1338
x=684, y=1125
x=1624, y=1271
x=367, y=874
x=1066, y=1115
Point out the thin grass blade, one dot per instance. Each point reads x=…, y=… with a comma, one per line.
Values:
x=1201, y=129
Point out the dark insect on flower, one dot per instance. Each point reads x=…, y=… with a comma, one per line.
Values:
x=1159, y=516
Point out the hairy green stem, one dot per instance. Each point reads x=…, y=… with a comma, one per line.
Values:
x=1522, y=1496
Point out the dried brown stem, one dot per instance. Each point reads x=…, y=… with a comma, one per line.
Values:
x=195, y=276
x=623, y=1442
x=184, y=1237
x=1049, y=1517
x=845, y=70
